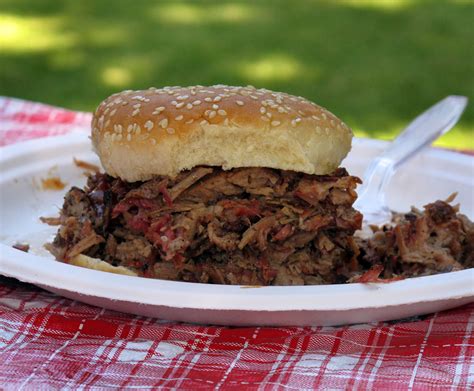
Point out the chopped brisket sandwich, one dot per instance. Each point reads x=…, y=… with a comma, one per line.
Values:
x=227, y=185
x=237, y=185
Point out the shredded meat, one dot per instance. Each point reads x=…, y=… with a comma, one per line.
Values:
x=25, y=247
x=51, y=220
x=436, y=240
x=84, y=244
x=254, y=226
x=85, y=165
x=187, y=182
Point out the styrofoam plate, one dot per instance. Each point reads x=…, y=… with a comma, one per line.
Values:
x=435, y=174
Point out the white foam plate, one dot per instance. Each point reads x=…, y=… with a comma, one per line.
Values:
x=435, y=174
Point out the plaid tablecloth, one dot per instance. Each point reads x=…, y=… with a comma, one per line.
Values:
x=48, y=342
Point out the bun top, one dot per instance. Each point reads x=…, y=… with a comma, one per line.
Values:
x=142, y=134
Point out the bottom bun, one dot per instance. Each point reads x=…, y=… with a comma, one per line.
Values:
x=96, y=264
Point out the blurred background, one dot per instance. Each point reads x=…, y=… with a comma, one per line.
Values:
x=374, y=63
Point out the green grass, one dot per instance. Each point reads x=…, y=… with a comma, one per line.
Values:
x=376, y=64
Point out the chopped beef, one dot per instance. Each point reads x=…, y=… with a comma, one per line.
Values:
x=436, y=240
x=187, y=182
x=254, y=226
x=25, y=247
x=51, y=220
x=85, y=165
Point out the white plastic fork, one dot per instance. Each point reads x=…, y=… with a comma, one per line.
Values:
x=421, y=132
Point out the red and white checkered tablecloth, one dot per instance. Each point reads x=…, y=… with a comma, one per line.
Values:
x=49, y=342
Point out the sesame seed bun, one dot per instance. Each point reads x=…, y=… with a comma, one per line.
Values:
x=142, y=134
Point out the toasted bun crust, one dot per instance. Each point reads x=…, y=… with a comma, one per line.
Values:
x=141, y=134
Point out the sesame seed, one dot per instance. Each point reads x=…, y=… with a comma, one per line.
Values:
x=179, y=105
x=179, y=118
x=137, y=106
x=149, y=125
x=163, y=123
x=203, y=122
x=124, y=103
x=138, y=130
x=269, y=115
x=297, y=119
x=129, y=128
x=215, y=107
x=158, y=110
x=315, y=117
x=170, y=130
x=266, y=119
x=135, y=112
x=264, y=103
x=222, y=112
x=275, y=123
x=254, y=97
x=174, y=103
x=207, y=99
x=239, y=102
x=301, y=112
x=324, y=115
x=293, y=123
x=129, y=137
x=331, y=122
x=112, y=113
x=196, y=102
x=190, y=121
x=107, y=123
x=217, y=98
x=189, y=106
x=212, y=114
x=263, y=110
x=281, y=110
x=182, y=97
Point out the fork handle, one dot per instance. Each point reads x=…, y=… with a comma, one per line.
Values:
x=422, y=131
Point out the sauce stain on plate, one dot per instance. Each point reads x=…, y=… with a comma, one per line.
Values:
x=52, y=183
